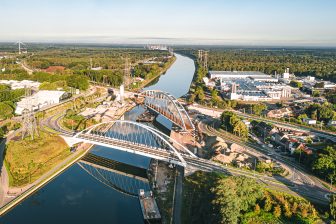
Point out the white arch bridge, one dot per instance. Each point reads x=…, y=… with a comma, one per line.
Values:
x=167, y=105
x=136, y=138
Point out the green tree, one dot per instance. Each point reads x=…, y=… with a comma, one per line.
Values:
x=277, y=211
x=6, y=111
x=199, y=93
x=78, y=82
x=325, y=164
x=257, y=209
x=234, y=124
x=295, y=84
x=2, y=133
x=333, y=206
x=259, y=108
x=215, y=99
x=235, y=195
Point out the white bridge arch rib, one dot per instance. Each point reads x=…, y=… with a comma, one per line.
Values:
x=88, y=135
x=158, y=100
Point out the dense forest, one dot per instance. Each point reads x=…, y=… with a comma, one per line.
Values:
x=302, y=62
x=83, y=58
x=100, y=64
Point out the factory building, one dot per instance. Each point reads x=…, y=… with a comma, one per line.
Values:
x=40, y=100
x=237, y=75
x=248, y=86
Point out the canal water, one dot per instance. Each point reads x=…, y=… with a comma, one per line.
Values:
x=76, y=197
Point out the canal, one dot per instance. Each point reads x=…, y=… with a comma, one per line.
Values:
x=76, y=197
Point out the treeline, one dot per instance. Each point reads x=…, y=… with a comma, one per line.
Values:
x=83, y=58
x=72, y=80
x=216, y=198
x=317, y=62
x=110, y=77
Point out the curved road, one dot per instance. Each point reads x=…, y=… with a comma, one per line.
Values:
x=299, y=182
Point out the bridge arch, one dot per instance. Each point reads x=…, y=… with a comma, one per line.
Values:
x=137, y=138
x=167, y=105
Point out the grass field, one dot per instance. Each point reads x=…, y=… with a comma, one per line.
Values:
x=27, y=160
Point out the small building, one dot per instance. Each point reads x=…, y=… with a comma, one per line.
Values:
x=209, y=82
x=53, y=69
x=309, y=121
x=247, y=123
x=283, y=112
x=96, y=68
x=300, y=146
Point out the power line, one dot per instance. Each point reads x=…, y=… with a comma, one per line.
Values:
x=29, y=124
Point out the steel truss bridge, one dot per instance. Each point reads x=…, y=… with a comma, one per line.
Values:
x=168, y=106
x=136, y=138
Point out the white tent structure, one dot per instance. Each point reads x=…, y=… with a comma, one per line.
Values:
x=39, y=100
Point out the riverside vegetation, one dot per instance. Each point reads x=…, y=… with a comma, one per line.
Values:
x=217, y=198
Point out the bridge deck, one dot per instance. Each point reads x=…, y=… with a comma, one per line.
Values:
x=156, y=153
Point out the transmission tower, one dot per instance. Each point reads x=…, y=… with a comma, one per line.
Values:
x=200, y=56
x=29, y=125
x=205, y=59
x=127, y=75
x=19, y=43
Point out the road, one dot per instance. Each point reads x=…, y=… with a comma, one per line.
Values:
x=217, y=112
x=25, y=67
x=298, y=182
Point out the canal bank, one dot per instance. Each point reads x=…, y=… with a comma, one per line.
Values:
x=74, y=196
x=148, y=82
x=46, y=178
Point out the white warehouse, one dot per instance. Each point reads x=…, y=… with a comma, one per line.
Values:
x=41, y=99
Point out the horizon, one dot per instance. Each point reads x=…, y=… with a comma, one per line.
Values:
x=240, y=23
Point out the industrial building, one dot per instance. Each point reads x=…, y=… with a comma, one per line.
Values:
x=248, y=85
x=239, y=75
x=40, y=100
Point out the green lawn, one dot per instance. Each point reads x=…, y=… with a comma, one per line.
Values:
x=27, y=160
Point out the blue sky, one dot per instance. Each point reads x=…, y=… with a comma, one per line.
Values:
x=248, y=22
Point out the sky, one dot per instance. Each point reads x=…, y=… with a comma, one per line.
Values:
x=220, y=22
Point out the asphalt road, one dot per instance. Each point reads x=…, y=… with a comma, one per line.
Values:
x=216, y=112
x=298, y=183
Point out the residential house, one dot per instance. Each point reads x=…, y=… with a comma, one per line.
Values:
x=279, y=113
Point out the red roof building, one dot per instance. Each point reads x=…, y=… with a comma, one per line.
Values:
x=53, y=69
